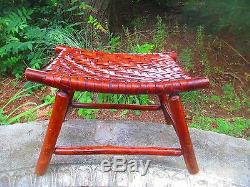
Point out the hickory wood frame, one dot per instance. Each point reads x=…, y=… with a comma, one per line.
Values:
x=170, y=105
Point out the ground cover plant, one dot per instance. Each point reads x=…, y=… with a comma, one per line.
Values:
x=31, y=31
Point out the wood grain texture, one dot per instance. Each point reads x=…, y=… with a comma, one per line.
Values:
x=116, y=106
x=181, y=127
x=53, y=130
x=97, y=71
x=77, y=69
x=121, y=150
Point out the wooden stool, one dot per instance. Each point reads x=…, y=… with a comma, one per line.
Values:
x=77, y=69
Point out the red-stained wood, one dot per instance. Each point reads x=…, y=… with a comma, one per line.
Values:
x=165, y=108
x=119, y=87
x=183, y=134
x=53, y=130
x=87, y=150
x=123, y=73
x=117, y=73
x=116, y=106
x=71, y=95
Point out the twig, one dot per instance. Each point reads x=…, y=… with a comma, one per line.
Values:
x=237, y=52
x=234, y=76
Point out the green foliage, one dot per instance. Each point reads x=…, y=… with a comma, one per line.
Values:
x=144, y=48
x=229, y=15
x=96, y=25
x=31, y=86
x=129, y=39
x=176, y=29
x=22, y=43
x=234, y=127
x=205, y=62
x=200, y=47
x=196, y=100
x=114, y=43
x=200, y=38
x=50, y=98
x=138, y=22
x=229, y=100
x=124, y=99
x=85, y=97
x=160, y=34
x=25, y=44
x=63, y=13
x=15, y=116
x=186, y=58
x=81, y=39
x=169, y=3
x=164, y=3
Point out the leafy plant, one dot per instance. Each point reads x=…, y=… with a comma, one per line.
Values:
x=144, y=48
x=114, y=43
x=73, y=38
x=234, y=127
x=160, y=34
x=85, y=97
x=200, y=37
x=176, y=28
x=124, y=99
x=19, y=42
x=138, y=22
x=23, y=44
x=129, y=39
x=186, y=58
x=225, y=15
x=229, y=100
x=96, y=25
x=205, y=62
x=14, y=116
x=50, y=98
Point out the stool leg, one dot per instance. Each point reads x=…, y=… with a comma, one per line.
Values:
x=71, y=95
x=164, y=105
x=180, y=124
x=53, y=130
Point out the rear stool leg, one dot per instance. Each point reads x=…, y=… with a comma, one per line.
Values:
x=57, y=117
x=181, y=127
x=164, y=105
x=71, y=95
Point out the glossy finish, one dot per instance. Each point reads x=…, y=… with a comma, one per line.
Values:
x=96, y=71
x=116, y=106
x=88, y=150
x=158, y=73
x=182, y=131
x=54, y=127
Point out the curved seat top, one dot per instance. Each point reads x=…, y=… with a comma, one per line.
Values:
x=97, y=71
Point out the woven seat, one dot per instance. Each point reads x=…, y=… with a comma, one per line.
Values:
x=78, y=69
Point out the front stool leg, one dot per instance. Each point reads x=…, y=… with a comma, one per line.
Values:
x=181, y=127
x=57, y=117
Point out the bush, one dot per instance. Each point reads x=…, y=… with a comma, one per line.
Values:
x=19, y=41
x=24, y=44
x=217, y=16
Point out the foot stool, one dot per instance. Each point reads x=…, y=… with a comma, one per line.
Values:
x=77, y=69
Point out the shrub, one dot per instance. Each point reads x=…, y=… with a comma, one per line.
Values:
x=19, y=43
x=217, y=16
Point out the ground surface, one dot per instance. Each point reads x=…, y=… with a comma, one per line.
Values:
x=223, y=160
x=223, y=65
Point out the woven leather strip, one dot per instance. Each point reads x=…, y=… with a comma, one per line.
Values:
x=79, y=69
